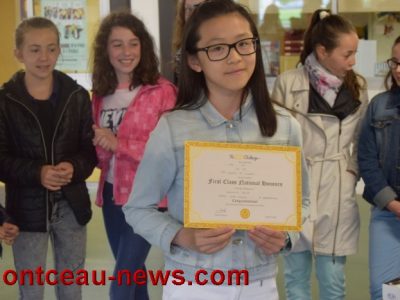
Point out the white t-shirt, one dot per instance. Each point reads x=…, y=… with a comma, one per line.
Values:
x=112, y=114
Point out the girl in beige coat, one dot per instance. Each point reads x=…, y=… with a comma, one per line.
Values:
x=329, y=100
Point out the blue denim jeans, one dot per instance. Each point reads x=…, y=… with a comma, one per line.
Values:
x=330, y=275
x=129, y=249
x=384, y=249
x=68, y=240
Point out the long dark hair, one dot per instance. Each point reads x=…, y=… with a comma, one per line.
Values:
x=324, y=30
x=193, y=84
x=390, y=82
x=146, y=72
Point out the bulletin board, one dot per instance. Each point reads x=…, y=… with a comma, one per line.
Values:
x=77, y=21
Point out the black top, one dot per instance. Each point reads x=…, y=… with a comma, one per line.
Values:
x=344, y=105
x=45, y=114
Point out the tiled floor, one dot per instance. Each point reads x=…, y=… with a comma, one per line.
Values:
x=99, y=258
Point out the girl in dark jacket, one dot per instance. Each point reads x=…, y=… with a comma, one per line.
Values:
x=46, y=153
x=378, y=159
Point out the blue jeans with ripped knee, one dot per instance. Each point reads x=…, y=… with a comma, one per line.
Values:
x=68, y=240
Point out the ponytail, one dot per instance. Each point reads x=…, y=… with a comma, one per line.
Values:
x=324, y=30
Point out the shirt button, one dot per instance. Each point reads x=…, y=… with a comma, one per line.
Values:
x=229, y=125
x=237, y=242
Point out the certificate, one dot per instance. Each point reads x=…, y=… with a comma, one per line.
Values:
x=242, y=185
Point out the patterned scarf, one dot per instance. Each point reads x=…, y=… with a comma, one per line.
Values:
x=324, y=82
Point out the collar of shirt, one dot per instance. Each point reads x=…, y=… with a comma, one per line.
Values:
x=214, y=118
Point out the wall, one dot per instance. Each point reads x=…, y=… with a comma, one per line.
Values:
x=147, y=11
x=368, y=5
x=8, y=21
x=167, y=12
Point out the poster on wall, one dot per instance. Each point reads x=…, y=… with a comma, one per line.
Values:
x=70, y=16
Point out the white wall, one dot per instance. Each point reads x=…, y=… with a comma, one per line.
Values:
x=147, y=11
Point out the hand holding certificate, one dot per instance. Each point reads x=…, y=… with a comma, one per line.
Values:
x=242, y=185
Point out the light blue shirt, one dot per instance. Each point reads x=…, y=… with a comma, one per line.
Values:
x=161, y=173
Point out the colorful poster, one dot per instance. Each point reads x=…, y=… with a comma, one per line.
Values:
x=70, y=16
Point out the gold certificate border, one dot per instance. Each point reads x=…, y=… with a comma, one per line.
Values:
x=194, y=148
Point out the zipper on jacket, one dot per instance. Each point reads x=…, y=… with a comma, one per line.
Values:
x=339, y=202
x=45, y=152
x=320, y=178
x=55, y=131
x=319, y=184
x=58, y=124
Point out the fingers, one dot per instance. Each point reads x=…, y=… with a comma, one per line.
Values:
x=105, y=138
x=213, y=248
x=209, y=241
x=11, y=231
x=52, y=178
x=394, y=207
x=65, y=170
x=10, y=228
x=212, y=240
x=66, y=175
x=271, y=241
x=57, y=180
x=104, y=142
x=8, y=233
x=98, y=132
x=47, y=174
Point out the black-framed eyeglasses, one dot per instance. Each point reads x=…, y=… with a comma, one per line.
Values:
x=392, y=63
x=221, y=51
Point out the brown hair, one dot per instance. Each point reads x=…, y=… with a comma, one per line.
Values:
x=178, y=27
x=325, y=31
x=33, y=23
x=146, y=72
x=390, y=82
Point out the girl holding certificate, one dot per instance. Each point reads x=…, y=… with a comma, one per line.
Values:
x=378, y=160
x=329, y=100
x=222, y=97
